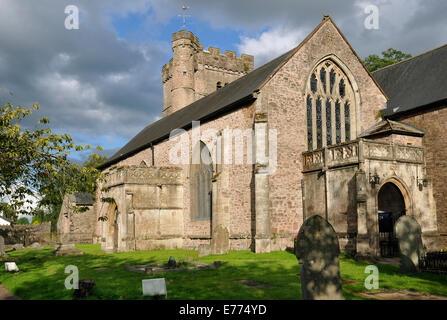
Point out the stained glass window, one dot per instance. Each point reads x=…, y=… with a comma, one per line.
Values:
x=330, y=104
x=323, y=78
x=200, y=184
x=319, y=123
x=347, y=122
x=337, y=122
x=332, y=80
x=342, y=88
x=328, y=122
x=313, y=83
x=309, y=123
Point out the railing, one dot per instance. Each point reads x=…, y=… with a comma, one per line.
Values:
x=435, y=262
x=389, y=245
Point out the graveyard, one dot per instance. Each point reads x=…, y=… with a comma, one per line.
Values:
x=240, y=275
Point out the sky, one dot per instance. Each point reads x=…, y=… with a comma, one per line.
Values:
x=101, y=83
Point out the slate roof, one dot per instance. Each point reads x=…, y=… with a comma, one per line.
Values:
x=415, y=82
x=82, y=198
x=389, y=126
x=236, y=93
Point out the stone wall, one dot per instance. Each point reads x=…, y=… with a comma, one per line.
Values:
x=236, y=189
x=27, y=234
x=434, y=122
x=76, y=227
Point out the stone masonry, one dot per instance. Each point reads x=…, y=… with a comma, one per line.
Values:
x=194, y=72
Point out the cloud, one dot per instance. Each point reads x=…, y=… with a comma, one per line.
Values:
x=89, y=81
x=271, y=43
x=102, y=86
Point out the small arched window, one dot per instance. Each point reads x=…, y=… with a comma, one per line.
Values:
x=329, y=106
x=218, y=85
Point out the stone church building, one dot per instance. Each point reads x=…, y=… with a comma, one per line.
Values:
x=312, y=143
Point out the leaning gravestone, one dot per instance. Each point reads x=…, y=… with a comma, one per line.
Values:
x=409, y=234
x=317, y=252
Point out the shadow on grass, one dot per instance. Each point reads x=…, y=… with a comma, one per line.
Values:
x=42, y=276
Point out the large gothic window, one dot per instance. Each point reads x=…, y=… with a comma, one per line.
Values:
x=200, y=183
x=330, y=106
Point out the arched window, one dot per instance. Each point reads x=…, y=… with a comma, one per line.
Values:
x=143, y=163
x=200, y=183
x=218, y=85
x=329, y=106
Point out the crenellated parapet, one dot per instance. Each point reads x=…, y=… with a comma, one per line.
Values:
x=194, y=72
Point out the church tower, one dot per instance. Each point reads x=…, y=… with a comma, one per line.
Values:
x=194, y=72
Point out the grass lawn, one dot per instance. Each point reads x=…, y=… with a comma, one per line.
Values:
x=42, y=275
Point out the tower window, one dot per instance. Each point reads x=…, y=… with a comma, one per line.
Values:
x=218, y=85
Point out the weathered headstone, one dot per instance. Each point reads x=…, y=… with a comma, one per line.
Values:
x=408, y=232
x=67, y=250
x=154, y=287
x=11, y=267
x=35, y=245
x=317, y=252
x=85, y=288
x=220, y=243
x=204, y=250
x=2, y=246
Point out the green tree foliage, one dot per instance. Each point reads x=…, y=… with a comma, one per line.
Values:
x=391, y=56
x=35, y=162
x=94, y=160
x=23, y=220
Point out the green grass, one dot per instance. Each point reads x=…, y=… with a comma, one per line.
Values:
x=42, y=275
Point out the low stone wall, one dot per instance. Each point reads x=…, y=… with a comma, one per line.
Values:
x=27, y=234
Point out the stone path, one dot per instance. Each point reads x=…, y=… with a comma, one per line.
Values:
x=6, y=295
x=401, y=295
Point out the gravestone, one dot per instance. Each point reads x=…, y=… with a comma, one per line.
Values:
x=2, y=246
x=85, y=288
x=154, y=287
x=11, y=267
x=35, y=245
x=204, y=250
x=317, y=251
x=409, y=234
x=220, y=243
x=67, y=250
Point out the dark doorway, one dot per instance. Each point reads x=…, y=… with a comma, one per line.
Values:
x=391, y=208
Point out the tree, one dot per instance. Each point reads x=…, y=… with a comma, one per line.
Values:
x=391, y=56
x=23, y=220
x=36, y=162
x=94, y=160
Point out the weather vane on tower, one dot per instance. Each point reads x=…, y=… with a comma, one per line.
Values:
x=184, y=15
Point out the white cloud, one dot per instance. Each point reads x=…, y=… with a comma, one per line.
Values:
x=271, y=43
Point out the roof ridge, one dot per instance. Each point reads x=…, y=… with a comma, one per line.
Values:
x=411, y=58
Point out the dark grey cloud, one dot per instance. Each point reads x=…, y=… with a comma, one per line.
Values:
x=94, y=84
x=88, y=81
